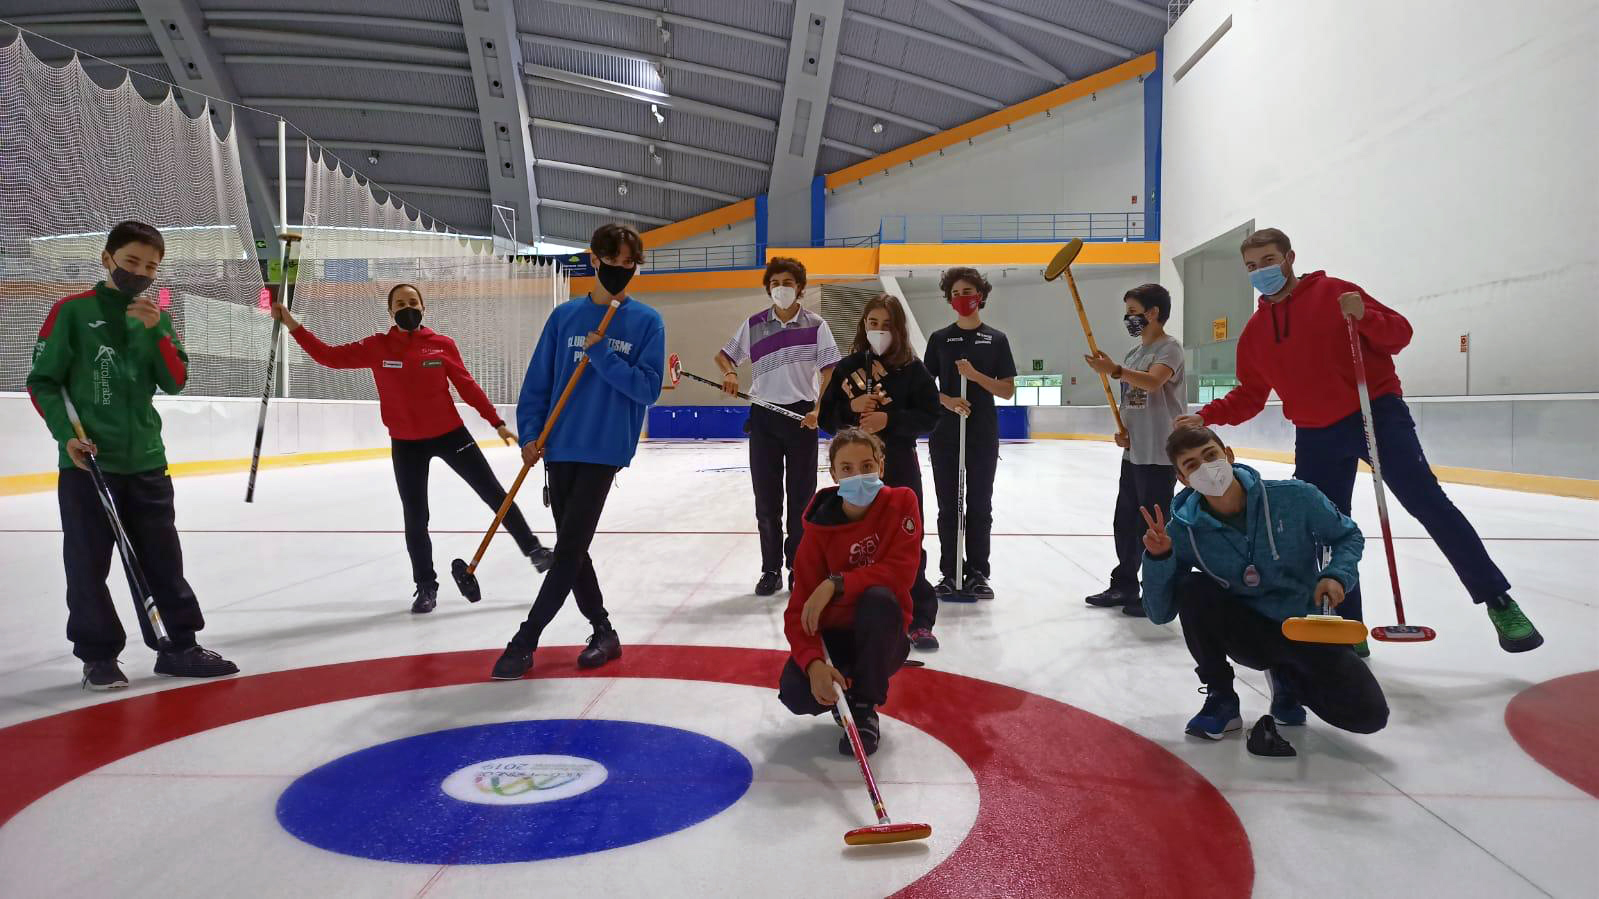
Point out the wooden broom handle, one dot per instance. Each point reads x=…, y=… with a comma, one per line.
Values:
x=1093, y=349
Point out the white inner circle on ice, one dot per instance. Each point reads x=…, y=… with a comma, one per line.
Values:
x=524, y=779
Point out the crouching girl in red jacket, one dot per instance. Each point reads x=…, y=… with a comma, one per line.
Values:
x=852, y=589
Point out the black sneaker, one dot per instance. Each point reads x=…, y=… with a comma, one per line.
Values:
x=425, y=598
x=945, y=588
x=866, y=725
x=193, y=662
x=1266, y=742
x=1115, y=596
x=1134, y=608
x=603, y=647
x=922, y=638
x=977, y=586
x=768, y=584
x=512, y=664
x=103, y=675
x=542, y=558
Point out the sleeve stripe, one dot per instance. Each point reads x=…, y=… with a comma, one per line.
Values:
x=174, y=362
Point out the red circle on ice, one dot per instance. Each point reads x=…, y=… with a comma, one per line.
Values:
x=1557, y=723
x=1069, y=804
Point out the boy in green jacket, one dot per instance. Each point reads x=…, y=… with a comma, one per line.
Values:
x=109, y=349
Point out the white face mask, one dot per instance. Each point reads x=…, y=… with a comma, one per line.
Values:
x=1212, y=478
x=784, y=296
x=880, y=341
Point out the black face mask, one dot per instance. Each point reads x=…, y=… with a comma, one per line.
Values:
x=129, y=283
x=1135, y=323
x=409, y=318
x=614, y=278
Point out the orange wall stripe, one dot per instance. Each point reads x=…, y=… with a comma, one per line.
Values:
x=946, y=254
x=1060, y=96
x=699, y=224
x=832, y=260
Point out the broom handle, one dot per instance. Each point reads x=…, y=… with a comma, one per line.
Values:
x=1376, y=464
x=860, y=751
x=1093, y=348
x=960, y=497
x=549, y=423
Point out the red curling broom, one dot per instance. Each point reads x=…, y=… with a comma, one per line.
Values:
x=884, y=831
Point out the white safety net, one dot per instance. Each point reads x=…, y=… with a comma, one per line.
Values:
x=76, y=159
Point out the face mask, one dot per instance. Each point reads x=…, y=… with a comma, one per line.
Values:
x=967, y=304
x=860, y=490
x=129, y=283
x=1268, y=280
x=880, y=341
x=614, y=278
x=1213, y=478
x=1135, y=323
x=784, y=296
x=409, y=318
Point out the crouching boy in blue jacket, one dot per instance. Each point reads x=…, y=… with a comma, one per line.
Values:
x=1259, y=548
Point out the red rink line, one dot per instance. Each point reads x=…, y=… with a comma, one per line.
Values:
x=1557, y=723
x=1069, y=804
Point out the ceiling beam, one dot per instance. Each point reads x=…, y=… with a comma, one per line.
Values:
x=112, y=61
x=812, y=56
x=357, y=146
x=604, y=210
x=885, y=115
x=1047, y=27
x=601, y=87
x=400, y=190
x=178, y=27
x=61, y=26
x=60, y=18
x=639, y=12
x=999, y=40
x=639, y=179
x=938, y=40
x=361, y=105
x=345, y=62
x=1158, y=13
x=262, y=15
x=496, y=55
x=848, y=148
x=948, y=90
x=642, y=140
x=660, y=62
x=348, y=44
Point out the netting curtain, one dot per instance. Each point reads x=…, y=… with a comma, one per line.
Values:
x=76, y=159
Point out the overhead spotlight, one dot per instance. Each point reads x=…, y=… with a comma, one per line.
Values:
x=372, y=157
x=877, y=127
x=653, y=155
x=655, y=110
x=621, y=189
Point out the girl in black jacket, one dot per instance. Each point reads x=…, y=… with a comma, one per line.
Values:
x=883, y=389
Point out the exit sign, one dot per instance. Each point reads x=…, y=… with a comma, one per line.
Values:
x=1038, y=365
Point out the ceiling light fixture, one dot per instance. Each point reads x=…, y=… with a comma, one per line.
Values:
x=655, y=110
x=372, y=157
x=877, y=127
x=621, y=189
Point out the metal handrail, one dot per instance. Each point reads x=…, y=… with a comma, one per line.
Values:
x=1016, y=227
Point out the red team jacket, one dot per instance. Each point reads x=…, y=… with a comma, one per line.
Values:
x=413, y=372
x=881, y=550
x=1300, y=348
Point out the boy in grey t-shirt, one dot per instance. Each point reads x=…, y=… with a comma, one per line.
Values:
x=1152, y=397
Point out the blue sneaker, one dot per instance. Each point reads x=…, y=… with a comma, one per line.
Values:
x=1286, y=709
x=1218, y=717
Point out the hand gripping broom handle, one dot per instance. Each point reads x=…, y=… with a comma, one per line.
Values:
x=1093, y=348
x=1376, y=464
x=549, y=423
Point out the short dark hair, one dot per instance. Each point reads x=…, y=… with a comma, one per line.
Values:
x=608, y=241
x=1182, y=440
x=134, y=232
x=1152, y=296
x=1266, y=237
x=848, y=436
x=779, y=264
x=971, y=276
x=396, y=288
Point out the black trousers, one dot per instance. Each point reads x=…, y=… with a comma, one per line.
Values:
x=868, y=654
x=982, y=460
x=1330, y=680
x=459, y=451
x=577, y=497
x=782, y=455
x=1147, y=486
x=144, y=504
x=901, y=468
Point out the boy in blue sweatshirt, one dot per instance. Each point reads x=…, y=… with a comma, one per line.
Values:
x=595, y=436
x=1261, y=549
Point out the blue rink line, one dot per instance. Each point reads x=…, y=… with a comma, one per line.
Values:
x=387, y=802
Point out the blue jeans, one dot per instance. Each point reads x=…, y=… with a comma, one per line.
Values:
x=1328, y=458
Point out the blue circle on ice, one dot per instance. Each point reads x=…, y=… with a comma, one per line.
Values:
x=514, y=792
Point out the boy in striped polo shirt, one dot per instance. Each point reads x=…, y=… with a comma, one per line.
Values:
x=789, y=347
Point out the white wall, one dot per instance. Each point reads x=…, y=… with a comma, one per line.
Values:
x=1087, y=156
x=1439, y=154
x=700, y=323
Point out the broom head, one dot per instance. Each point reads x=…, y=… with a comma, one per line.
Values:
x=1403, y=633
x=1063, y=259
x=674, y=368
x=1324, y=629
x=466, y=580
x=887, y=833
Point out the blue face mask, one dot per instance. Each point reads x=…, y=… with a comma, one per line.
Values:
x=860, y=490
x=1268, y=280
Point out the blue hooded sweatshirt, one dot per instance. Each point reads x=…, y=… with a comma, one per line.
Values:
x=605, y=414
x=1289, y=526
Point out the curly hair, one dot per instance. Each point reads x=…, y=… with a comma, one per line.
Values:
x=971, y=276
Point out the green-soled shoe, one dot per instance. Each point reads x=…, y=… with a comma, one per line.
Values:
x=1363, y=649
x=1516, y=633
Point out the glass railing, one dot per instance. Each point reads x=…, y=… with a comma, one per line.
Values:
x=700, y=259
x=1015, y=227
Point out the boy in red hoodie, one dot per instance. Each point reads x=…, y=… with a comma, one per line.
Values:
x=1297, y=344
x=852, y=589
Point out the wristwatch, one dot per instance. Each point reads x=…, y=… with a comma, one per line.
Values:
x=838, y=585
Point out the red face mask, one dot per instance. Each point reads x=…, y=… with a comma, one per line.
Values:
x=966, y=304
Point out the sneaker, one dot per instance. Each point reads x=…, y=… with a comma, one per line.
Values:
x=1134, y=608
x=193, y=662
x=945, y=588
x=603, y=647
x=1286, y=709
x=1217, y=718
x=866, y=725
x=424, y=599
x=1115, y=596
x=768, y=584
x=103, y=675
x=1363, y=649
x=542, y=558
x=977, y=586
x=1266, y=742
x=512, y=664
x=1516, y=633
x=922, y=638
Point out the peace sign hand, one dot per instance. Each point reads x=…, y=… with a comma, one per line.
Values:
x=1156, y=541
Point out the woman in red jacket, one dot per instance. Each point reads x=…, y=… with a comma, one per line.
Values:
x=414, y=368
x=852, y=589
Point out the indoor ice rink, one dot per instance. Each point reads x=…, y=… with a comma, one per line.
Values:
x=381, y=739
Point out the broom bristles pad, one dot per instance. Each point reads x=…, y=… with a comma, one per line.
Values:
x=888, y=833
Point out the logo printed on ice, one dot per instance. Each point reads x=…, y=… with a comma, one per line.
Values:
x=524, y=779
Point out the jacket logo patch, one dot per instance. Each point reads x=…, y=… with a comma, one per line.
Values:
x=97, y=324
x=909, y=524
x=864, y=552
x=393, y=363
x=432, y=363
